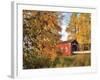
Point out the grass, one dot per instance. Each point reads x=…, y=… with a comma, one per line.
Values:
x=74, y=60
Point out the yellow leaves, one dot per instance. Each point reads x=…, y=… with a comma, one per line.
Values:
x=42, y=33
x=50, y=23
x=49, y=52
x=34, y=13
x=45, y=17
x=82, y=26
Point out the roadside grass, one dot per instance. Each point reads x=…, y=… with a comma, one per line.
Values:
x=74, y=60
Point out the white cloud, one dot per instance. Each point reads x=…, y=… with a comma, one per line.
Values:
x=65, y=22
x=63, y=33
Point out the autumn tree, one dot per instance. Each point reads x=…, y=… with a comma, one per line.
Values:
x=80, y=29
x=84, y=32
x=72, y=29
x=40, y=36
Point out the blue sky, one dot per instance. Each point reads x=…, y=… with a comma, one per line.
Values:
x=66, y=18
x=65, y=21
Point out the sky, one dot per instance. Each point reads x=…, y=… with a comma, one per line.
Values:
x=65, y=21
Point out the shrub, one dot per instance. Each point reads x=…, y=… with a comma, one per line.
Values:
x=33, y=62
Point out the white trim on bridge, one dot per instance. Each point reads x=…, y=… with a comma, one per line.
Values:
x=76, y=52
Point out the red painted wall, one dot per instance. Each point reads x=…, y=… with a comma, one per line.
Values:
x=65, y=49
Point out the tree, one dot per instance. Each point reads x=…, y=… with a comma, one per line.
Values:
x=80, y=28
x=40, y=35
x=84, y=33
x=73, y=28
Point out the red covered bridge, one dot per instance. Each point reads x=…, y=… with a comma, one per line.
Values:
x=67, y=47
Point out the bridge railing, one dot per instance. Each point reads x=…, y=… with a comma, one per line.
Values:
x=80, y=52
